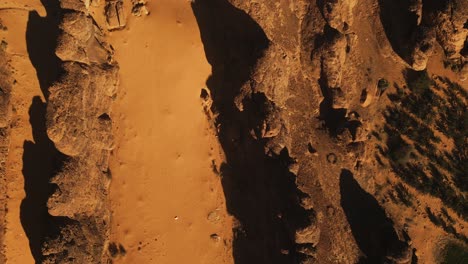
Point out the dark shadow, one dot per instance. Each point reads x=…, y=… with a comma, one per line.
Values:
x=233, y=43
x=371, y=228
x=260, y=191
x=400, y=25
x=41, y=39
x=40, y=162
x=40, y=158
x=414, y=257
x=334, y=119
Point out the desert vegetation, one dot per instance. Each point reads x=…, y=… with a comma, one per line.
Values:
x=426, y=115
x=454, y=253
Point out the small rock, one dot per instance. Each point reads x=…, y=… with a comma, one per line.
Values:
x=215, y=237
x=294, y=168
x=360, y=134
x=213, y=217
x=122, y=250
x=307, y=203
x=354, y=115
x=306, y=249
x=113, y=250
x=3, y=45
x=331, y=158
x=115, y=15
x=463, y=75
x=311, y=149
x=308, y=235
x=139, y=8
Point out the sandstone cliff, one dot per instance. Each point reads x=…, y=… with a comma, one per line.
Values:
x=79, y=124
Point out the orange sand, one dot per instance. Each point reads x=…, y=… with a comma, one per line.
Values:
x=14, y=15
x=163, y=187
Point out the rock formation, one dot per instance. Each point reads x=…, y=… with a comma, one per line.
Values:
x=79, y=124
x=444, y=23
x=298, y=90
x=6, y=83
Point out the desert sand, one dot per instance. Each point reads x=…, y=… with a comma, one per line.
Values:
x=14, y=15
x=166, y=199
x=168, y=205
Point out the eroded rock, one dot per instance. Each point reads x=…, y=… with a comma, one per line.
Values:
x=139, y=8
x=333, y=59
x=77, y=5
x=88, y=90
x=75, y=242
x=5, y=90
x=85, y=195
x=463, y=75
x=308, y=235
x=115, y=15
x=6, y=82
x=339, y=13
x=450, y=27
x=78, y=120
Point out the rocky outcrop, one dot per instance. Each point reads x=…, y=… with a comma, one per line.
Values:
x=338, y=13
x=422, y=25
x=444, y=22
x=284, y=85
x=260, y=125
x=333, y=57
x=79, y=124
x=426, y=24
x=115, y=16
x=449, y=22
x=5, y=114
x=88, y=90
x=416, y=7
x=423, y=48
x=5, y=90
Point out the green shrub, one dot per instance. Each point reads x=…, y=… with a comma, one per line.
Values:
x=454, y=253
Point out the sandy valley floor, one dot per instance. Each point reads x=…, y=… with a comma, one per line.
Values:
x=166, y=199
x=168, y=205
